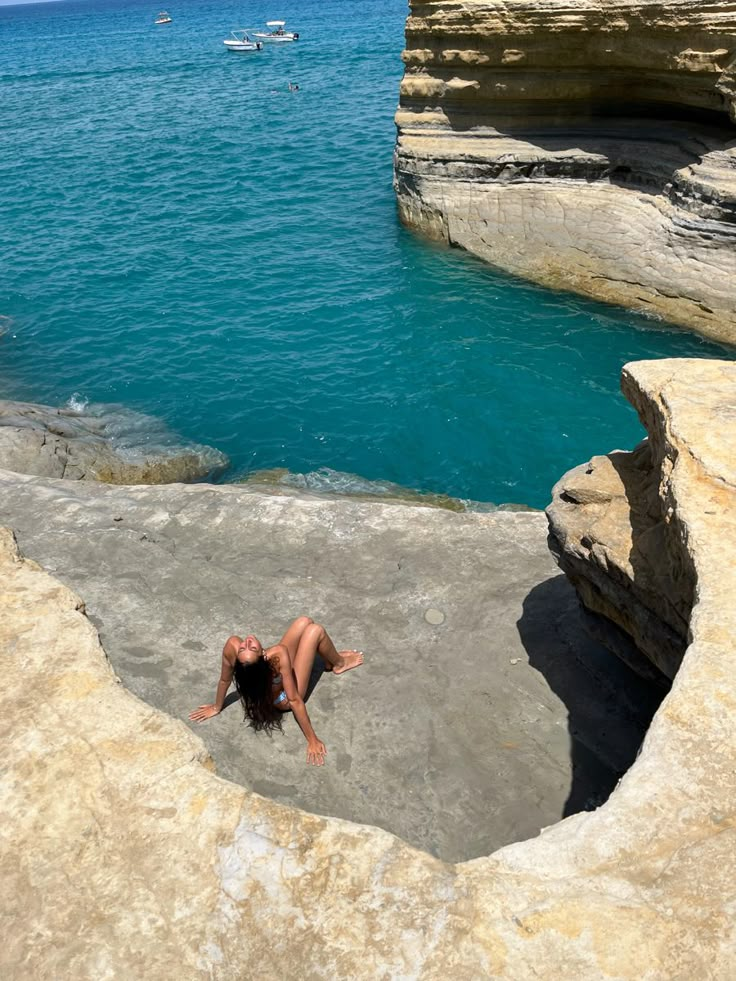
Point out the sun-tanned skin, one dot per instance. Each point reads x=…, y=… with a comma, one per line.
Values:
x=292, y=658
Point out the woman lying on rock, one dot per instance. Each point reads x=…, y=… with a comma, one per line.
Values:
x=273, y=681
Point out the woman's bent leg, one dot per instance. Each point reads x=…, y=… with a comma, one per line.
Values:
x=293, y=635
x=315, y=640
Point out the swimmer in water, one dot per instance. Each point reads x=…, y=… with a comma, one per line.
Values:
x=273, y=680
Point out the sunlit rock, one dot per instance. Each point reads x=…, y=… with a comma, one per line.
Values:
x=123, y=855
x=582, y=144
x=111, y=444
x=614, y=527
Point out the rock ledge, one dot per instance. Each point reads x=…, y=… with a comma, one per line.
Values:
x=615, y=527
x=124, y=856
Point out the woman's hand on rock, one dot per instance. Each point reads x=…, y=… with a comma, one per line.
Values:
x=203, y=712
x=316, y=752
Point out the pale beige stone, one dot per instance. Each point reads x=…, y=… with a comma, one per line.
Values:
x=123, y=856
x=582, y=144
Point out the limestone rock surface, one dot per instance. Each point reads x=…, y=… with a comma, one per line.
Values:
x=124, y=856
x=583, y=144
x=483, y=712
x=104, y=445
x=611, y=537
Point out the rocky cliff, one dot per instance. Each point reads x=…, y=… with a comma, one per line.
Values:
x=123, y=855
x=582, y=144
x=614, y=524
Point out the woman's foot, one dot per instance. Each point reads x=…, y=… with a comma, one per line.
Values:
x=350, y=659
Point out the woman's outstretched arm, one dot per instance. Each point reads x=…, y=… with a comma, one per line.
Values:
x=226, y=677
x=316, y=749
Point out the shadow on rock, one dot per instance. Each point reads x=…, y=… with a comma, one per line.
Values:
x=609, y=707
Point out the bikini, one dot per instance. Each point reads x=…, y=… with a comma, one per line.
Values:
x=281, y=698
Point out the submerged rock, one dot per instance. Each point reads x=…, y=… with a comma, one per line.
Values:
x=105, y=443
x=583, y=144
x=331, y=483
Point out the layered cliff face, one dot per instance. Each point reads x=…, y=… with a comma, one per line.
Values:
x=583, y=144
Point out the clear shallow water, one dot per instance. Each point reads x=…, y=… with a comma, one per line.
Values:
x=180, y=234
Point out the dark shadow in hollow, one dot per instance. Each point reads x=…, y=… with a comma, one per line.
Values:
x=516, y=117
x=609, y=707
x=660, y=600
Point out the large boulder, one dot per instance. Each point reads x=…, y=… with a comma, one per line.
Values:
x=107, y=443
x=614, y=527
x=609, y=535
x=583, y=144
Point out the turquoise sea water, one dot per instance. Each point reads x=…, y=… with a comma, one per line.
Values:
x=180, y=234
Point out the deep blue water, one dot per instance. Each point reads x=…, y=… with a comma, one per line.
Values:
x=180, y=234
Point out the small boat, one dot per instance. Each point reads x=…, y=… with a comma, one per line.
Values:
x=162, y=18
x=278, y=35
x=240, y=41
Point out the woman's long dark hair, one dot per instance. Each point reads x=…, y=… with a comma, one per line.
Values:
x=253, y=683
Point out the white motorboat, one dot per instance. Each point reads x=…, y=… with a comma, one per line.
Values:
x=240, y=41
x=277, y=34
x=162, y=18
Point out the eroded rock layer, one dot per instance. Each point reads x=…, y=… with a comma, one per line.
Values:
x=582, y=144
x=612, y=535
x=123, y=856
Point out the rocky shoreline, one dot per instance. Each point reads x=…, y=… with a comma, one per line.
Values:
x=112, y=444
x=431, y=845
x=582, y=145
x=109, y=444
x=115, y=820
